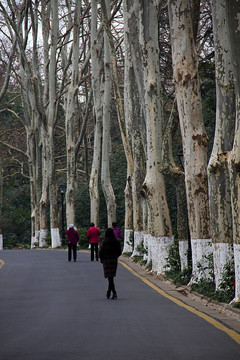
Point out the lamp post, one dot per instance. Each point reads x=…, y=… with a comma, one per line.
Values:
x=62, y=188
x=189, y=252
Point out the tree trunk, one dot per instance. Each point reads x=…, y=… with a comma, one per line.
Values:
x=176, y=176
x=218, y=174
x=44, y=200
x=143, y=39
x=133, y=116
x=117, y=92
x=34, y=170
x=195, y=141
x=159, y=225
x=233, y=15
x=97, y=66
x=51, y=114
x=106, y=140
x=69, y=122
x=1, y=202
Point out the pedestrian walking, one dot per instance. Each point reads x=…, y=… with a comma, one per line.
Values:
x=117, y=231
x=93, y=238
x=72, y=240
x=109, y=252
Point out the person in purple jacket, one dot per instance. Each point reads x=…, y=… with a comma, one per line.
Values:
x=117, y=231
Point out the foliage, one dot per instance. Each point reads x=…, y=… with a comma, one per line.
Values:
x=204, y=286
x=82, y=206
x=141, y=252
x=131, y=239
x=237, y=305
x=225, y=292
x=173, y=260
x=141, y=249
x=83, y=240
x=207, y=271
x=118, y=168
x=172, y=204
x=128, y=254
x=16, y=216
x=173, y=267
x=149, y=266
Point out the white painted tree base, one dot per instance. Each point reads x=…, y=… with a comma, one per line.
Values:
x=145, y=243
x=183, y=253
x=201, y=248
x=222, y=254
x=55, y=236
x=43, y=236
x=158, y=252
x=127, y=248
x=236, y=251
x=35, y=240
x=1, y=242
x=138, y=238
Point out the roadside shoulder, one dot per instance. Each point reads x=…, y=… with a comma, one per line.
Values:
x=224, y=313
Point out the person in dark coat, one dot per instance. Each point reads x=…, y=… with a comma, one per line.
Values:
x=109, y=252
x=93, y=238
x=72, y=240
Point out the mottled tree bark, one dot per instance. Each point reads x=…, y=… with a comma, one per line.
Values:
x=195, y=141
x=218, y=172
x=97, y=69
x=233, y=16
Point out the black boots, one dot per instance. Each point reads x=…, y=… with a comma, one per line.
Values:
x=114, y=295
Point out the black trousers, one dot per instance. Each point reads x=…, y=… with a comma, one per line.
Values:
x=94, y=248
x=111, y=286
x=72, y=248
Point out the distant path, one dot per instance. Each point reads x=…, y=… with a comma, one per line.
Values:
x=51, y=309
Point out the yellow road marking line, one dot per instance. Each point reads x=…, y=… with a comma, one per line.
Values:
x=233, y=334
x=2, y=263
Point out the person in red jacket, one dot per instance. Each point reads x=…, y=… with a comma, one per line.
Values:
x=93, y=238
x=72, y=240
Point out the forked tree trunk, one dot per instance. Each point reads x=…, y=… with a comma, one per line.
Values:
x=218, y=172
x=195, y=141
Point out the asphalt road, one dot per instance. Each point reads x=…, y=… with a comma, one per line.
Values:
x=52, y=309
